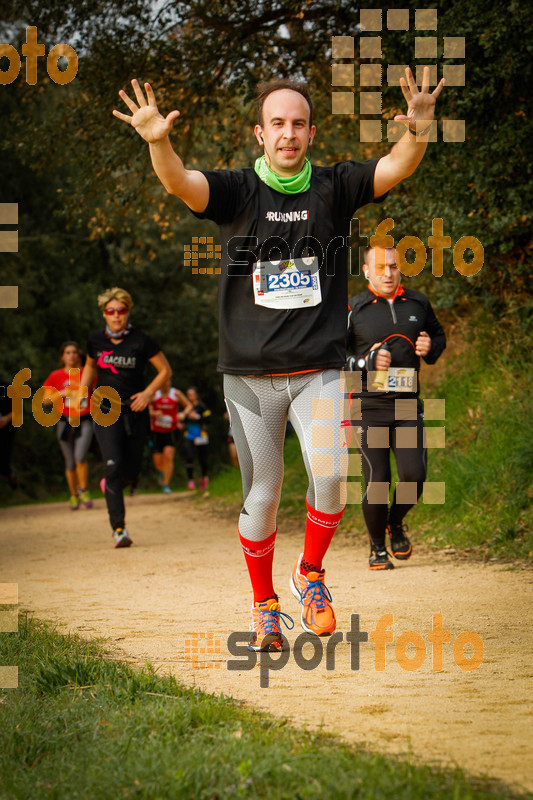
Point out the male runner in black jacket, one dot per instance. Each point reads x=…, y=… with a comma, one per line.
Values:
x=389, y=329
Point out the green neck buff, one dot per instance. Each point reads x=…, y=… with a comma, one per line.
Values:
x=292, y=185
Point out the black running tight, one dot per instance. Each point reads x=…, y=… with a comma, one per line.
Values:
x=201, y=451
x=381, y=433
x=122, y=447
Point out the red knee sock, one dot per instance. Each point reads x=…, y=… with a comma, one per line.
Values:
x=319, y=531
x=259, y=557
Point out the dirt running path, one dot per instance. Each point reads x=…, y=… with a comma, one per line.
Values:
x=186, y=576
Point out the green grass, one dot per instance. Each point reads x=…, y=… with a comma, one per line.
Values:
x=487, y=463
x=83, y=726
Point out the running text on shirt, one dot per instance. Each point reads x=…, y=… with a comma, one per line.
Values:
x=287, y=216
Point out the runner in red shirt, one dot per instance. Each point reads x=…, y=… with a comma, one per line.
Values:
x=164, y=421
x=74, y=441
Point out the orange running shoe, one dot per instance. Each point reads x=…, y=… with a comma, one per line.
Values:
x=400, y=545
x=317, y=613
x=265, y=625
x=379, y=559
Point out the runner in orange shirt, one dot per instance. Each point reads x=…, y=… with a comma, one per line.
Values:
x=74, y=441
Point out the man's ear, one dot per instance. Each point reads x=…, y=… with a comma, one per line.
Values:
x=259, y=134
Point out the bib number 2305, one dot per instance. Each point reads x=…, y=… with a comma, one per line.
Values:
x=286, y=284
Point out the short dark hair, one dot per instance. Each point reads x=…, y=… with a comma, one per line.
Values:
x=367, y=250
x=70, y=343
x=267, y=87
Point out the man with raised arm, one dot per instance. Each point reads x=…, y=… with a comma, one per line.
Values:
x=284, y=227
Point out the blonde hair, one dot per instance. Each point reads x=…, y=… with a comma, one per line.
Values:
x=116, y=293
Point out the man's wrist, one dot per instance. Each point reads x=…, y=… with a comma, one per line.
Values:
x=158, y=143
x=417, y=133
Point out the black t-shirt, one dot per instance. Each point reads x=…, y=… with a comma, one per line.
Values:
x=373, y=319
x=121, y=365
x=285, y=317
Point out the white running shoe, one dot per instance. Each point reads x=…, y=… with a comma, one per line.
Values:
x=121, y=538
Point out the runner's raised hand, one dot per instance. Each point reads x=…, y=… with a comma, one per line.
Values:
x=145, y=116
x=420, y=103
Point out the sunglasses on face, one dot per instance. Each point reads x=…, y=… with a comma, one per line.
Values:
x=110, y=311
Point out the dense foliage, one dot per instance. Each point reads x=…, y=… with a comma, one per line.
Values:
x=92, y=213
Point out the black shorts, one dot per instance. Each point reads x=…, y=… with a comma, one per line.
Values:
x=162, y=440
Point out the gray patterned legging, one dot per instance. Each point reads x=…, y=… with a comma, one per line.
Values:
x=75, y=449
x=259, y=408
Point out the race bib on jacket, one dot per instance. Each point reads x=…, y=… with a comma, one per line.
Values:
x=401, y=379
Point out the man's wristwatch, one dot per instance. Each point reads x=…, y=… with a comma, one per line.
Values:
x=419, y=133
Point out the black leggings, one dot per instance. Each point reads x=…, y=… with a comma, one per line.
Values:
x=411, y=463
x=122, y=447
x=201, y=451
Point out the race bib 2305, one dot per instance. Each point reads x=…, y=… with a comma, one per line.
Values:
x=293, y=283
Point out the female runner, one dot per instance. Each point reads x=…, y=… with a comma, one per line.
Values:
x=118, y=356
x=74, y=441
x=196, y=439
